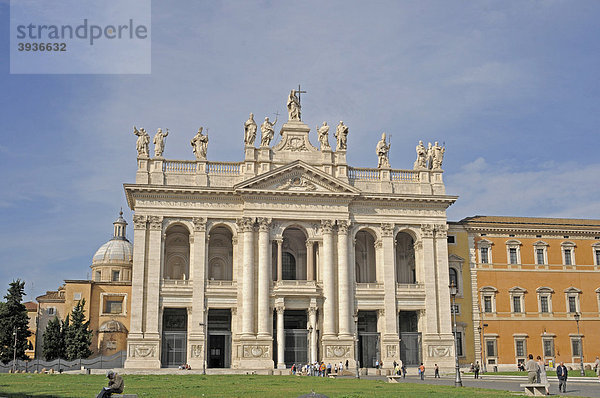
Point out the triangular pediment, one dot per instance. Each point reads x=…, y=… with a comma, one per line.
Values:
x=296, y=177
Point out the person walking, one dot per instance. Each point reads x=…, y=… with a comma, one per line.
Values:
x=422, y=371
x=436, y=373
x=476, y=370
x=403, y=369
x=532, y=369
x=542, y=376
x=562, y=373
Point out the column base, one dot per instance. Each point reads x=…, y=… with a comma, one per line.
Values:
x=439, y=348
x=143, y=353
x=196, y=352
x=338, y=349
x=390, y=350
x=256, y=353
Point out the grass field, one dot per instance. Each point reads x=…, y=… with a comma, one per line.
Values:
x=78, y=386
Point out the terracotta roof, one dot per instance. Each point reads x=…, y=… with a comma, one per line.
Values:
x=31, y=306
x=50, y=295
x=532, y=221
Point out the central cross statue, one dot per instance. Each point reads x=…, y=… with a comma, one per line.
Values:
x=293, y=104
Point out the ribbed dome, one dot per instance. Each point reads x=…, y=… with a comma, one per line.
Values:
x=112, y=327
x=114, y=251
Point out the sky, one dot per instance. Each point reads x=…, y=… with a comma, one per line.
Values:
x=511, y=87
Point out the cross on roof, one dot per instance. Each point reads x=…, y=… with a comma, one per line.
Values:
x=299, y=91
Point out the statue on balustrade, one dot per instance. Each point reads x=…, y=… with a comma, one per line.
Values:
x=437, y=156
x=200, y=144
x=382, y=150
x=250, y=131
x=421, y=162
x=267, y=132
x=143, y=142
x=323, y=132
x=293, y=106
x=159, y=142
x=341, y=135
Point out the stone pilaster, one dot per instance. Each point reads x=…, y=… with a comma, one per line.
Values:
x=390, y=341
x=279, y=258
x=280, y=338
x=140, y=235
x=310, y=267
x=246, y=225
x=312, y=322
x=329, y=292
x=345, y=290
x=197, y=332
x=264, y=315
x=154, y=268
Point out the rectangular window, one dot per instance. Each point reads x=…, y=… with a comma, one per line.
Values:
x=487, y=304
x=451, y=239
x=544, y=304
x=113, y=306
x=540, y=255
x=568, y=257
x=115, y=276
x=572, y=304
x=576, y=347
x=51, y=311
x=520, y=348
x=459, y=345
x=548, y=347
x=597, y=253
x=484, y=255
x=512, y=255
x=517, y=304
x=76, y=296
x=490, y=348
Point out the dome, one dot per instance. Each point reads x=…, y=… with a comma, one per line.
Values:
x=112, y=327
x=114, y=251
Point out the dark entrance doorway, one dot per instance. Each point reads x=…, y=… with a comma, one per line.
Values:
x=410, y=338
x=368, y=339
x=174, y=337
x=219, y=338
x=296, y=337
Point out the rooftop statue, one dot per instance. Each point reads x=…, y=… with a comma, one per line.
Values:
x=293, y=106
x=267, y=132
x=421, y=162
x=159, y=142
x=250, y=131
x=323, y=132
x=341, y=135
x=143, y=142
x=382, y=152
x=200, y=144
x=437, y=156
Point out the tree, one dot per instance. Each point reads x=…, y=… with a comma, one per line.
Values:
x=54, y=340
x=78, y=336
x=14, y=319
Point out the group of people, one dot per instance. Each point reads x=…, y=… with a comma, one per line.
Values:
x=319, y=369
x=536, y=373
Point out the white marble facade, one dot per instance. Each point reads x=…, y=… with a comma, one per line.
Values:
x=290, y=236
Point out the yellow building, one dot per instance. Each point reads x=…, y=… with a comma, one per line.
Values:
x=107, y=295
x=537, y=289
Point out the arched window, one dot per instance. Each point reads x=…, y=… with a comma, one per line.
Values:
x=288, y=265
x=364, y=257
x=405, y=259
x=453, y=277
x=177, y=253
x=220, y=254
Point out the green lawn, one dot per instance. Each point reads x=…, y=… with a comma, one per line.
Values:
x=77, y=386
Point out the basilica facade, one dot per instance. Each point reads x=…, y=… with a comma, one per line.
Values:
x=288, y=256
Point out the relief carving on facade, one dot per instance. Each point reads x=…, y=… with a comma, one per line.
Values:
x=297, y=183
x=142, y=351
x=391, y=350
x=196, y=351
x=256, y=351
x=155, y=223
x=139, y=221
x=440, y=351
x=337, y=351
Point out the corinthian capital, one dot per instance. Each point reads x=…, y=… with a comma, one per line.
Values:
x=441, y=230
x=387, y=229
x=326, y=226
x=427, y=230
x=245, y=224
x=139, y=221
x=199, y=224
x=343, y=226
x=264, y=224
x=155, y=223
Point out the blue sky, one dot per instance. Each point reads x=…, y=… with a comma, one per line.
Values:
x=511, y=87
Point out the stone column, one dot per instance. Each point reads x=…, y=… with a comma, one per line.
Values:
x=441, y=251
x=429, y=279
x=263, y=277
x=139, y=274
x=312, y=321
x=153, y=287
x=247, y=227
x=345, y=292
x=329, y=292
x=279, y=259
x=280, y=339
x=310, y=269
x=390, y=340
x=198, y=271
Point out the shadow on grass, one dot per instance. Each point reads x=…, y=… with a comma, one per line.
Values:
x=22, y=395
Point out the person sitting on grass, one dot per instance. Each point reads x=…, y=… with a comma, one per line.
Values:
x=115, y=385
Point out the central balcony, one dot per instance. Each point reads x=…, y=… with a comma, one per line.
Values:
x=296, y=288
